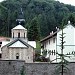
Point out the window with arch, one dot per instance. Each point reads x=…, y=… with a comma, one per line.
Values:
x=17, y=55
x=13, y=34
x=24, y=35
x=19, y=35
x=0, y=55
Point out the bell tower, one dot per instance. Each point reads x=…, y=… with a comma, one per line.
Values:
x=20, y=17
x=19, y=32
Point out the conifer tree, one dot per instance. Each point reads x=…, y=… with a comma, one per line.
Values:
x=62, y=68
x=23, y=72
x=33, y=30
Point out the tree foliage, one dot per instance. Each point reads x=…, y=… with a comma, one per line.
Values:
x=23, y=72
x=49, y=14
x=33, y=30
x=62, y=68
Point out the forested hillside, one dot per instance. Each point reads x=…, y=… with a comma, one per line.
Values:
x=41, y=16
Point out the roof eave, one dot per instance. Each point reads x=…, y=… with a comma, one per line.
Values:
x=49, y=36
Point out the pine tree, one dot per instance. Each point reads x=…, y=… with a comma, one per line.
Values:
x=23, y=72
x=71, y=18
x=62, y=68
x=33, y=30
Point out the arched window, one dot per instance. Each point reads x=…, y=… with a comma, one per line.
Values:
x=0, y=55
x=17, y=55
x=13, y=34
x=24, y=35
x=54, y=52
x=18, y=35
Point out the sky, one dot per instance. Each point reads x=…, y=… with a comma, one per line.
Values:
x=1, y=0
x=72, y=2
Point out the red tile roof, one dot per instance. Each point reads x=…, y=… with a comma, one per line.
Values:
x=3, y=38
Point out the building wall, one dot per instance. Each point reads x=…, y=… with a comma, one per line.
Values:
x=9, y=53
x=50, y=45
x=69, y=45
x=21, y=31
x=16, y=67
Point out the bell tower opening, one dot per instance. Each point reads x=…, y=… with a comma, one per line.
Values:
x=19, y=31
x=24, y=35
x=17, y=55
x=13, y=34
x=19, y=35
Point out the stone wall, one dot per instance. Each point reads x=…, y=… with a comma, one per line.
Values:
x=46, y=69
x=15, y=68
x=10, y=67
x=9, y=53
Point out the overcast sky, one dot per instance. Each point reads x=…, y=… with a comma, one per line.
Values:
x=1, y=0
x=72, y=2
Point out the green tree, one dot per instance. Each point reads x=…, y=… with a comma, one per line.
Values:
x=23, y=72
x=62, y=68
x=43, y=25
x=49, y=12
x=72, y=18
x=33, y=30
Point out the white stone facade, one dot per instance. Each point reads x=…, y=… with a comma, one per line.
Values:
x=10, y=53
x=18, y=48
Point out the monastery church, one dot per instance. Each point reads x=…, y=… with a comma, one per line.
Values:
x=18, y=48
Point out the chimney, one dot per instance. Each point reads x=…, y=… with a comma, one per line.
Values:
x=57, y=28
x=69, y=22
x=52, y=32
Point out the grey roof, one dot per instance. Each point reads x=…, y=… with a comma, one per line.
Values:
x=49, y=36
x=19, y=27
x=18, y=39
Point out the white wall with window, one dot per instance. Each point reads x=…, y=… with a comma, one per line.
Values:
x=69, y=38
x=53, y=41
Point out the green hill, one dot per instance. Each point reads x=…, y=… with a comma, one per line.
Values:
x=47, y=13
